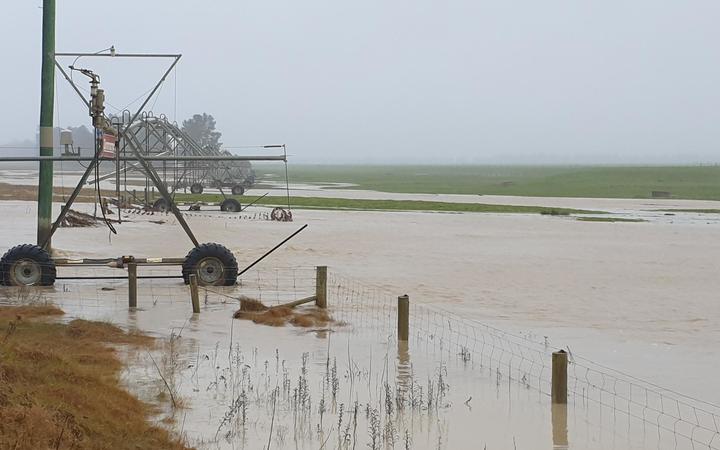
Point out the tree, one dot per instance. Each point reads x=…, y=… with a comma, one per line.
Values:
x=201, y=127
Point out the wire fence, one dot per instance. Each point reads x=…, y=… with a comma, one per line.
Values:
x=688, y=420
x=279, y=284
x=670, y=418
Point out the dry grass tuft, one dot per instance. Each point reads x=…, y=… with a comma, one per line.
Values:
x=250, y=304
x=29, y=312
x=316, y=317
x=278, y=316
x=59, y=386
x=105, y=332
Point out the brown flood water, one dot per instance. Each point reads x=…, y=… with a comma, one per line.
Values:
x=638, y=297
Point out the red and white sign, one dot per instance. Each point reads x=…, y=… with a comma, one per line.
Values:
x=108, y=146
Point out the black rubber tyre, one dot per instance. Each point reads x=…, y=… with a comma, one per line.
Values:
x=27, y=265
x=161, y=205
x=196, y=188
x=238, y=190
x=278, y=214
x=213, y=264
x=230, y=205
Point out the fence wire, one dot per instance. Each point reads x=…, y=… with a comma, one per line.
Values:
x=592, y=387
x=598, y=390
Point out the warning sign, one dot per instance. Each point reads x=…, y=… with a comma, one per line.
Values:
x=107, y=148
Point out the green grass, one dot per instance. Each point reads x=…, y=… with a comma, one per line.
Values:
x=609, y=219
x=690, y=182
x=700, y=211
x=386, y=205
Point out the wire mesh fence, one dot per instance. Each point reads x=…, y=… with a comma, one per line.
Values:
x=278, y=284
x=638, y=406
x=686, y=420
x=675, y=419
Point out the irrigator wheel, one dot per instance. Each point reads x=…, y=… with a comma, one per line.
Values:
x=27, y=265
x=196, y=188
x=213, y=264
x=161, y=205
x=238, y=189
x=230, y=205
x=278, y=214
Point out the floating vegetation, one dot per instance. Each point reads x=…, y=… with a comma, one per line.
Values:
x=278, y=316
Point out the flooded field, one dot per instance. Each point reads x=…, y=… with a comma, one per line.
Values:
x=634, y=297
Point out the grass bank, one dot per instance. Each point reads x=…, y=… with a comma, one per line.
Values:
x=699, y=211
x=59, y=386
x=609, y=219
x=387, y=205
x=687, y=182
x=22, y=192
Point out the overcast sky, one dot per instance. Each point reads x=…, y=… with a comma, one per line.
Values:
x=502, y=81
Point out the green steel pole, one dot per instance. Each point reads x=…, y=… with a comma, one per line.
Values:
x=47, y=94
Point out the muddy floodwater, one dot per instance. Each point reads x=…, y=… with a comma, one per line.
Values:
x=639, y=298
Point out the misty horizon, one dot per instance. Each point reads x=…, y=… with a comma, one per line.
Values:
x=460, y=82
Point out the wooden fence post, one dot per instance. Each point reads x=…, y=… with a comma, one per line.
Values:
x=559, y=426
x=321, y=287
x=403, y=318
x=132, y=285
x=558, y=392
x=194, y=295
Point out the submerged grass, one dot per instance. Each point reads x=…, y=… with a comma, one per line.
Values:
x=388, y=205
x=59, y=386
x=609, y=219
x=699, y=211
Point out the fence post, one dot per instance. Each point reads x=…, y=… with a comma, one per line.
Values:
x=321, y=287
x=403, y=318
x=132, y=285
x=558, y=391
x=194, y=295
x=559, y=426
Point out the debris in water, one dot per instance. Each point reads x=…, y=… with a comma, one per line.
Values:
x=250, y=304
x=278, y=316
x=77, y=219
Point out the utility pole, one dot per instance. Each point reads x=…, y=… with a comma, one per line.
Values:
x=47, y=97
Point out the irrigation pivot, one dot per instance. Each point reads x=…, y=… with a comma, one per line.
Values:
x=128, y=140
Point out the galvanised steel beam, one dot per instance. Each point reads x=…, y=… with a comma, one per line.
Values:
x=146, y=158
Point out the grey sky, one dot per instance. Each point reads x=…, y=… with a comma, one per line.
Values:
x=554, y=81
